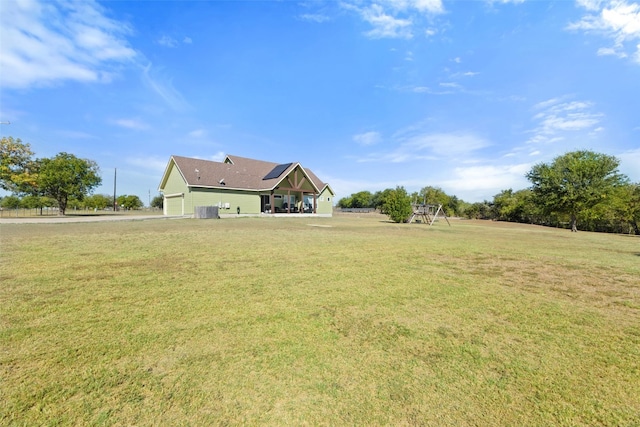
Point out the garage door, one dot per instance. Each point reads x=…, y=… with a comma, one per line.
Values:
x=174, y=205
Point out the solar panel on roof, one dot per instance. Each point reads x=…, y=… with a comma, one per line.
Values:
x=277, y=171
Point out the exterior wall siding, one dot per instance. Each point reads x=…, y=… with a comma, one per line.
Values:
x=175, y=183
x=248, y=202
x=325, y=202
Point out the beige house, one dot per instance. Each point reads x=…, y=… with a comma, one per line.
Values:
x=239, y=185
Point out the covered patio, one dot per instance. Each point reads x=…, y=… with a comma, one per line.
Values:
x=296, y=194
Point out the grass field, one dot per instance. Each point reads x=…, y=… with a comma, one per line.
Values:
x=317, y=321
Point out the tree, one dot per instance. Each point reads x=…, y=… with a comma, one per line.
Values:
x=98, y=201
x=574, y=182
x=157, y=202
x=129, y=202
x=65, y=176
x=377, y=201
x=625, y=205
x=344, y=203
x=10, y=202
x=362, y=199
x=478, y=210
x=18, y=171
x=397, y=204
x=513, y=206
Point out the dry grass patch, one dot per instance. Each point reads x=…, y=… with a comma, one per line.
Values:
x=350, y=321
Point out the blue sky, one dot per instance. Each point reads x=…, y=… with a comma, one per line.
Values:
x=463, y=95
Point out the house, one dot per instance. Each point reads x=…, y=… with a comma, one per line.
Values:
x=239, y=185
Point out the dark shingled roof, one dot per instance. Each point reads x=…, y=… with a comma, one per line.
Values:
x=235, y=173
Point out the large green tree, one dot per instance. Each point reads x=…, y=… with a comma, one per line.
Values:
x=397, y=204
x=65, y=177
x=575, y=182
x=18, y=171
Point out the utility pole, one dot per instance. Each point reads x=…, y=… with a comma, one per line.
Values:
x=115, y=174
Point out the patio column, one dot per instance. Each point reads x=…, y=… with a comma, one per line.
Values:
x=273, y=207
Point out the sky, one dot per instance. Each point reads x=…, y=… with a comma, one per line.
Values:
x=462, y=95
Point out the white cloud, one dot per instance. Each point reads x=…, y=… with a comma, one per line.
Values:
x=430, y=6
x=133, y=124
x=314, y=17
x=556, y=117
x=630, y=164
x=616, y=20
x=420, y=89
x=609, y=51
x=197, y=133
x=148, y=163
x=385, y=25
x=46, y=43
x=414, y=144
x=167, y=41
x=444, y=144
x=395, y=18
x=163, y=87
x=217, y=157
x=476, y=183
x=367, y=138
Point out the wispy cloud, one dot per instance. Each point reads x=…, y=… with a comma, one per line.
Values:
x=148, y=163
x=162, y=86
x=314, y=17
x=385, y=25
x=197, y=133
x=414, y=143
x=217, y=157
x=556, y=117
x=367, y=138
x=47, y=43
x=630, y=164
x=168, y=41
x=395, y=18
x=468, y=182
x=134, y=124
x=616, y=20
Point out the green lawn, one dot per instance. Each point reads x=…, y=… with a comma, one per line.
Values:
x=317, y=321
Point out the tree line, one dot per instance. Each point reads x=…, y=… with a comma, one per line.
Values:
x=63, y=181
x=91, y=202
x=578, y=190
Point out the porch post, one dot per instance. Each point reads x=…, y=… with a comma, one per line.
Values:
x=273, y=207
x=288, y=201
x=315, y=203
